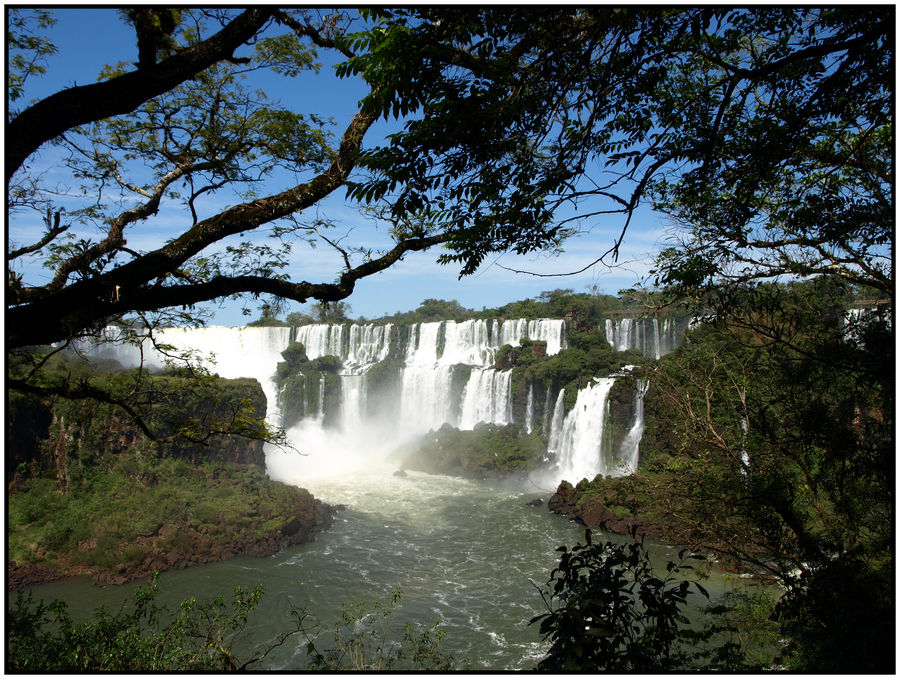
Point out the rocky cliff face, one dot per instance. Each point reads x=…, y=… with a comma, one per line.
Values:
x=87, y=433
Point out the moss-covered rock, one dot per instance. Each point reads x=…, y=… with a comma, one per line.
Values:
x=486, y=451
x=100, y=497
x=308, y=388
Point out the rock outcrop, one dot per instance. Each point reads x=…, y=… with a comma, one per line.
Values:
x=595, y=510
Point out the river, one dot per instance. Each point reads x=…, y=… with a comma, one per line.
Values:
x=461, y=552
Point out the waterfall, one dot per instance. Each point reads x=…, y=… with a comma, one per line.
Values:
x=545, y=421
x=547, y=330
x=422, y=349
x=529, y=410
x=653, y=337
x=358, y=346
x=556, y=424
x=628, y=452
x=367, y=344
x=229, y=352
x=442, y=373
x=486, y=398
x=580, y=438
x=425, y=398
x=468, y=343
x=353, y=401
x=321, y=339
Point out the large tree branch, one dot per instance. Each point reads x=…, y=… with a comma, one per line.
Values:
x=221, y=286
x=75, y=106
x=123, y=280
x=247, y=216
x=115, y=238
x=312, y=33
x=73, y=309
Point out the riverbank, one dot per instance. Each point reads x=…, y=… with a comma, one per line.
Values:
x=602, y=503
x=124, y=529
x=648, y=504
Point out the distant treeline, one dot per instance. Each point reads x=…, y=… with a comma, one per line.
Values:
x=588, y=307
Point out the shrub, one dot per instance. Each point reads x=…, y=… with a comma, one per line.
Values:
x=43, y=638
x=613, y=614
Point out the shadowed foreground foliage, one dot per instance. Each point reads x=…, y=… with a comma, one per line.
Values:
x=200, y=636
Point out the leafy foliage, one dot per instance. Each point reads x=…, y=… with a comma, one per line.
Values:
x=789, y=430
x=614, y=613
x=780, y=422
x=794, y=178
x=27, y=50
x=845, y=599
x=197, y=637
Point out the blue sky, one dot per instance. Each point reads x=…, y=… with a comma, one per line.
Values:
x=89, y=38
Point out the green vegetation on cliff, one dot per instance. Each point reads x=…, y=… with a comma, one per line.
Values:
x=304, y=384
x=486, y=451
x=92, y=492
x=146, y=513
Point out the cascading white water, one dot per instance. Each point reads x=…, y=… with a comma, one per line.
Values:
x=358, y=346
x=529, y=410
x=435, y=348
x=651, y=336
x=468, y=343
x=581, y=435
x=422, y=348
x=627, y=458
x=547, y=330
x=554, y=441
x=545, y=422
x=425, y=398
x=320, y=408
x=486, y=398
x=321, y=339
x=353, y=401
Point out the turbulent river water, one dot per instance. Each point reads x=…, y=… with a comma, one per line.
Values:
x=464, y=553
